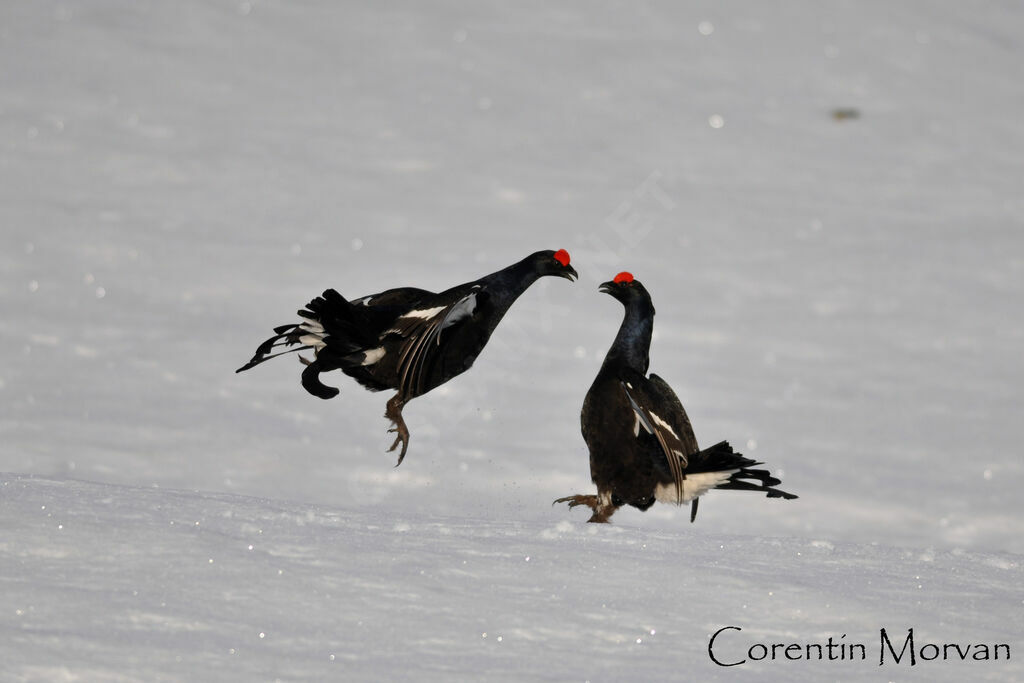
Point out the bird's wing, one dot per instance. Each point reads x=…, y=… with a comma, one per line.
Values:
x=659, y=412
x=422, y=329
x=399, y=296
x=676, y=414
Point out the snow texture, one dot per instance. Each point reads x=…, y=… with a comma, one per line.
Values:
x=824, y=200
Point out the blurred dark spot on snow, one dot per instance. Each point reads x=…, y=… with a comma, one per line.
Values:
x=845, y=114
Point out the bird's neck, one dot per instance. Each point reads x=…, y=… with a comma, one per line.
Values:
x=509, y=283
x=633, y=342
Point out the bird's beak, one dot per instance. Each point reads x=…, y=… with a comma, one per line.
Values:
x=606, y=287
x=569, y=274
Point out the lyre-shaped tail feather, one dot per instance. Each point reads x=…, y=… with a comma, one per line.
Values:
x=756, y=480
x=284, y=335
x=328, y=315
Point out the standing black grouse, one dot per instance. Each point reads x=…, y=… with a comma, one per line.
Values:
x=642, y=447
x=407, y=339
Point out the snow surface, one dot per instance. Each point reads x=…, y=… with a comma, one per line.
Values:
x=839, y=297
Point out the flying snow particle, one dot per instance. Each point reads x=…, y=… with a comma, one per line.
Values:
x=706, y=28
x=716, y=121
x=262, y=634
x=357, y=244
x=511, y=195
x=100, y=292
x=33, y=286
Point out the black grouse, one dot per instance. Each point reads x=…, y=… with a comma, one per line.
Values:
x=406, y=339
x=642, y=447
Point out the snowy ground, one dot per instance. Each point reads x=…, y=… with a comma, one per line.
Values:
x=838, y=297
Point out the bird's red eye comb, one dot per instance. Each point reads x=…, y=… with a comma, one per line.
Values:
x=562, y=256
x=623, y=277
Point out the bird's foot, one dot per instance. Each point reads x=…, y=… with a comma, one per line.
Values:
x=602, y=511
x=588, y=500
x=401, y=438
x=394, y=413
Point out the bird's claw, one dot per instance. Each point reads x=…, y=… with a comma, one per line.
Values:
x=402, y=437
x=394, y=413
x=601, y=514
x=573, y=501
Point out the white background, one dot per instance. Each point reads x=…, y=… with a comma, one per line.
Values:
x=837, y=297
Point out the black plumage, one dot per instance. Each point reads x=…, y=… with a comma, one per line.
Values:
x=642, y=446
x=406, y=339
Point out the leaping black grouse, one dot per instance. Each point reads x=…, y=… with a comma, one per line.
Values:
x=407, y=339
x=642, y=447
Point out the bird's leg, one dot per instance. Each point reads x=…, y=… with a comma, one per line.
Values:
x=605, y=507
x=602, y=515
x=601, y=505
x=394, y=413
